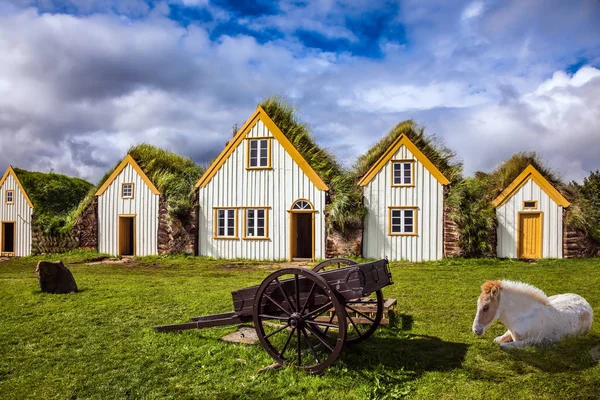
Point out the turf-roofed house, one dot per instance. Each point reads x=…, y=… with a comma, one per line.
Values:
x=530, y=217
x=403, y=193
x=35, y=207
x=262, y=197
x=145, y=205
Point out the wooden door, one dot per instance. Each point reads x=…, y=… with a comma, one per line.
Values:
x=126, y=235
x=530, y=235
x=8, y=237
x=301, y=235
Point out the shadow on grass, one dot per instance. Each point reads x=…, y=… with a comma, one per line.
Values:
x=570, y=354
x=401, y=321
x=411, y=353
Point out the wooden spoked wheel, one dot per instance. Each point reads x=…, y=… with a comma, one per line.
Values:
x=360, y=322
x=292, y=320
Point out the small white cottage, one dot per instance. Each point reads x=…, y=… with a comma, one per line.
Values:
x=404, y=197
x=128, y=212
x=16, y=211
x=260, y=199
x=530, y=218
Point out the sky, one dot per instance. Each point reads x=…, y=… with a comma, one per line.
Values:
x=81, y=81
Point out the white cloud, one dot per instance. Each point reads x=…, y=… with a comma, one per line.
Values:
x=473, y=10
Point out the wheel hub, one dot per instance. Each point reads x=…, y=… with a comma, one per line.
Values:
x=296, y=320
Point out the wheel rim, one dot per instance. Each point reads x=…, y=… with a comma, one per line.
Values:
x=360, y=323
x=291, y=318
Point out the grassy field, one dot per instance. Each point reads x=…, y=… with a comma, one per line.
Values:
x=98, y=343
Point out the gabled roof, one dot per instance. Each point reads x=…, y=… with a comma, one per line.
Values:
x=530, y=173
x=127, y=160
x=11, y=171
x=403, y=140
x=261, y=115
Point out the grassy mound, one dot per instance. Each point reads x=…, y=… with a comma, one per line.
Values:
x=54, y=196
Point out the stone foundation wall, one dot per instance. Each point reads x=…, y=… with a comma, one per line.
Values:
x=176, y=236
x=451, y=235
x=46, y=244
x=577, y=244
x=338, y=245
x=86, y=227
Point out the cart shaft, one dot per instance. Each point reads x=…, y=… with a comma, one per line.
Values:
x=230, y=318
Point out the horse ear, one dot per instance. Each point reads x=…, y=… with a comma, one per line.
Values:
x=495, y=291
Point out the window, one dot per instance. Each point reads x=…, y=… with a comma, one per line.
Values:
x=256, y=223
x=127, y=190
x=9, y=197
x=402, y=173
x=302, y=205
x=530, y=204
x=403, y=221
x=226, y=223
x=259, y=153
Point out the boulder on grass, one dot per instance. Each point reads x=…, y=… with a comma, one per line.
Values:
x=54, y=277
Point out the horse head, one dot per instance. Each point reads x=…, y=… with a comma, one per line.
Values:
x=487, y=306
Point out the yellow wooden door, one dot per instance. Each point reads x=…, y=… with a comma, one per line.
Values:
x=530, y=235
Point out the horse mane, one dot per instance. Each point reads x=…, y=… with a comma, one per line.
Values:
x=527, y=289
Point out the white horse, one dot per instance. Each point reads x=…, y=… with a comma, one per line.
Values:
x=530, y=316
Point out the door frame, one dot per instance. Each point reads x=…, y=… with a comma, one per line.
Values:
x=292, y=223
x=540, y=215
x=8, y=253
x=119, y=216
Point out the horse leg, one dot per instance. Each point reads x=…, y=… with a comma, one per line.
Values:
x=507, y=337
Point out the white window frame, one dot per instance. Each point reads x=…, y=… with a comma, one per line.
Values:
x=226, y=219
x=402, y=172
x=402, y=213
x=251, y=223
x=262, y=162
x=12, y=197
x=123, y=190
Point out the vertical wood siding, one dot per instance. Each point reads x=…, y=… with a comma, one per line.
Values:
x=144, y=205
x=508, y=222
x=20, y=212
x=277, y=188
x=427, y=195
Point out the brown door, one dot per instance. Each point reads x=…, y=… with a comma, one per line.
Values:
x=8, y=237
x=530, y=235
x=302, y=235
x=127, y=236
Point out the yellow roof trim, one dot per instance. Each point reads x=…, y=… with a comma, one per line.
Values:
x=530, y=173
x=403, y=140
x=261, y=115
x=11, y=171
x=127, y=160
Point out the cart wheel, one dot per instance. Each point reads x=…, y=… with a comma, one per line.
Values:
x=360, y=325
x=293, y=321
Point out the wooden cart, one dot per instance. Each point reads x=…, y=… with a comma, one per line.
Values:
x=304, y=317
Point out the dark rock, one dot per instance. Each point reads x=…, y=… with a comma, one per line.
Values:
x=54, y=277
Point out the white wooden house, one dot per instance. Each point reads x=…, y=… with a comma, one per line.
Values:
x=404, y=197
x=128, y=212
x=16, y=211
x=530, y=218
x=260, y=199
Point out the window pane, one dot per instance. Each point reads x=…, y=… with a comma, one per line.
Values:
x=260, y=232
x=408, y=229
x=396, y=213
x=221, y=231
x=230, y=231
x=395, y=221
x=396, y=229
x=261, y=213
x=221, y=213
x=230, y=213
x=397, y=166
x=253, y=144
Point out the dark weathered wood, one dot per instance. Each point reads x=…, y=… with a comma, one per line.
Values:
x=296, y=306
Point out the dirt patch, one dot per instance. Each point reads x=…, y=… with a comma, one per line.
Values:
x=285, y=264
x=109, y=261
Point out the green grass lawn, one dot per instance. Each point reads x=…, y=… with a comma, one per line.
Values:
x=98, y=343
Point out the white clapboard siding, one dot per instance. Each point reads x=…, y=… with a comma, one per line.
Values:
x=20, y=213
x=508, y=222
x=277, y=189
x=427, y=195
x=144, y=206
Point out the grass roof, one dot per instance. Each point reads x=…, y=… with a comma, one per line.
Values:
x=441, y=156
x=53, y=195
x=173, y=175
